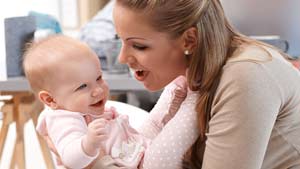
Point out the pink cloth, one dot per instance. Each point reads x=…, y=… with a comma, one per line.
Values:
x=296, y=63
x=66, y=130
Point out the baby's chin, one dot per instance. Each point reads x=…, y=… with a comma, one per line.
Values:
x=97, y=109
x=96, y=113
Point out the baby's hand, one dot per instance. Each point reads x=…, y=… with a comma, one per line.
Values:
x=97, y=132
x=95, y=135
x=110, y=113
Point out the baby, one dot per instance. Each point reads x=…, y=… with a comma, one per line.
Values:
x=65, y=75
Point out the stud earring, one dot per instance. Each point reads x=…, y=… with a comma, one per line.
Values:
x=187, y=52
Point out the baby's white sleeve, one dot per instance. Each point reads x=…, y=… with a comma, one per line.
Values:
x=73, y=155
x=66, y=130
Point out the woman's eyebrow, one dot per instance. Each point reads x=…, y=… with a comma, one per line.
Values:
x=130, y=38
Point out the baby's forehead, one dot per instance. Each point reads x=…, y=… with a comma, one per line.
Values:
x=63, y=48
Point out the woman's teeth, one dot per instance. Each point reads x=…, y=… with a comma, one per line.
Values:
x=140, y=72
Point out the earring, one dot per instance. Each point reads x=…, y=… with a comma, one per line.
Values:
x=187, y=52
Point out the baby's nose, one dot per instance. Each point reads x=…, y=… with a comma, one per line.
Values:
x=97, y=91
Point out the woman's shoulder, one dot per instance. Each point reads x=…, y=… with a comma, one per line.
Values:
x=251, y=53
x=268, y=71
x=259, y=62
x=255, y=60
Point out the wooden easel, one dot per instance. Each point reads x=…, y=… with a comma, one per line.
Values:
x=19, y=109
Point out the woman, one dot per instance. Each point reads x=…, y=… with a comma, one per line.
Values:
x=242, y=109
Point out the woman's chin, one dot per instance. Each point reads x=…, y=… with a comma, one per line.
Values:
x=153, y=87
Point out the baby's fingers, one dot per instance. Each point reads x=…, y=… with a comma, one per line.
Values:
x=98, y=123
x=101, y=137
x=101, y=131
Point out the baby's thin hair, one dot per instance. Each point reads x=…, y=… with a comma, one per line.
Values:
x=41, y=58
x=33, y=59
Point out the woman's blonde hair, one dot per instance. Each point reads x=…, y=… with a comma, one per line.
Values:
x=217, y=40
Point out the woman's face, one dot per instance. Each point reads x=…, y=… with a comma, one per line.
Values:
x=153, y=56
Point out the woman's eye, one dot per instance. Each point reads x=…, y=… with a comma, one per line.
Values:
x=139, y=47
x=81, y=87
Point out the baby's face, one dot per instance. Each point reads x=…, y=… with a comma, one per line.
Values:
x=79, y=84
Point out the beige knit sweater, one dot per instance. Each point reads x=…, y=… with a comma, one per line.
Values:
x=255, y=118
x=256, y=114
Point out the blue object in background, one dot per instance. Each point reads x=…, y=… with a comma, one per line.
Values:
x=18, y=31
x=45, y=21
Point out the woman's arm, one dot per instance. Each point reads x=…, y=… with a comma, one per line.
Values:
x=177, y=136
x=243, y=115
x=165, y=108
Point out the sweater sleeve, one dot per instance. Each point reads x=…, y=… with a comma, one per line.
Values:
x=66, y=130
x=164, y=109
x=177, y=136
x=244, y=112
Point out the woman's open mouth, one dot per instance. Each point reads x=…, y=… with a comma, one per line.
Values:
x=140, y=75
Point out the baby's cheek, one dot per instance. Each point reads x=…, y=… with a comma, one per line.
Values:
x=105, y=88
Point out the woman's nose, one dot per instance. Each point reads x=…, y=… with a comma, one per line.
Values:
x=123, y=56
x=97, y=91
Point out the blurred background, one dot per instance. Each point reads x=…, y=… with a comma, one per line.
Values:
x=267, y=18
x=273, y=21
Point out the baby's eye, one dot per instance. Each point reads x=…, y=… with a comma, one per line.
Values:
x=139, y=47
x=81, y=87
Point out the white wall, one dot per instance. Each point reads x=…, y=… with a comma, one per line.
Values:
x=267, y=17
x=10, y=8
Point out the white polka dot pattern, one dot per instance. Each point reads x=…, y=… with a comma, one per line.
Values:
x=168, y=147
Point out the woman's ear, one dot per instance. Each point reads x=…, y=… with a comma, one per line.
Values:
x=190, y=38
x=47, y=99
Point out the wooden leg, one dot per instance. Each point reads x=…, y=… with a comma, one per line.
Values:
x=7, y=119
x=13, y=158
x=20, y=152
x=20, y=149
x=20, y=110
x=3, y=135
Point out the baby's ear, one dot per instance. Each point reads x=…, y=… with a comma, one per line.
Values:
x=47, y=99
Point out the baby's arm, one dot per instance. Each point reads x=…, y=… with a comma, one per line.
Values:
x=96, y=134
x=66, y=130
x=166, y=107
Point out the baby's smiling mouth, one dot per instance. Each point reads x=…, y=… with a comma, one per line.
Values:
x=99, y=103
